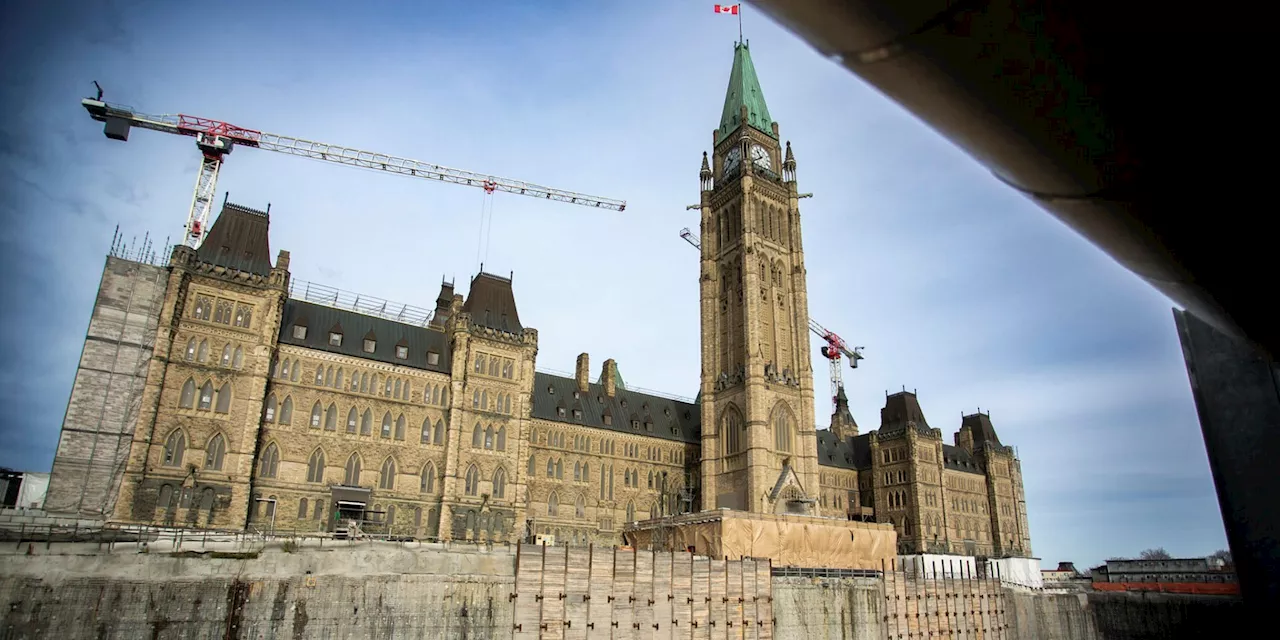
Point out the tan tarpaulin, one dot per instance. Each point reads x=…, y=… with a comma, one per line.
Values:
x=796, y=541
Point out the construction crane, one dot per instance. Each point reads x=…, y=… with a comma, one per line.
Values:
x=215, y=139
x=834, y=351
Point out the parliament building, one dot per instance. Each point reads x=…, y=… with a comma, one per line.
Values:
x=214, y=392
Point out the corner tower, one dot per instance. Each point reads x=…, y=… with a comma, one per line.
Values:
x=759, y=448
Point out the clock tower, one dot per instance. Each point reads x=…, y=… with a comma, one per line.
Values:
x=759, y=448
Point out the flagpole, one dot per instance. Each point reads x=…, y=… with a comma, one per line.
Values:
x=739, y=23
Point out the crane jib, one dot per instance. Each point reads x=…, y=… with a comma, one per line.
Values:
x=217, y=138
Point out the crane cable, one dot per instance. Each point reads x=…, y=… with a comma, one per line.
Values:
x=486, y=212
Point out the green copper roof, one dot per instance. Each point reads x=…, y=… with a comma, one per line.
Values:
x=617, y=379
x=744, y=89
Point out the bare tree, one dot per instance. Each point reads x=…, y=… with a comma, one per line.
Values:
x=1222, y=554
x=1157, y=553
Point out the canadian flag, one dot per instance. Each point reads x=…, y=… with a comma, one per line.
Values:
x=727, y=8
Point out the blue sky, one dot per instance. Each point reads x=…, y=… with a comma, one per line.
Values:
x=958, y=287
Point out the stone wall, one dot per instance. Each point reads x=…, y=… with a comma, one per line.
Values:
x=240, y=588
x=97, y=430
x=358, y=591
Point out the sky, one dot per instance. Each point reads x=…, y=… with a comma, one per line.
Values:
x=959, y=288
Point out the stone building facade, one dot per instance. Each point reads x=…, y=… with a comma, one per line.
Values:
x=260, y=408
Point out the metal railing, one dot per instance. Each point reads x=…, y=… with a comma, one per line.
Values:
x=368, y=305
x=804, y=572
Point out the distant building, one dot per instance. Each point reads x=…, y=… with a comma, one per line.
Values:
x=1065, y=572
x=1172, y=570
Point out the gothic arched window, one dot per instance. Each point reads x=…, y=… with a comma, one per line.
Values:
x=223, y=405
x=366, y=423
x=188, y=397
x=553, y=504
x=315, y=467
x=427, y=481
x=351, y=474
x=439, y=436
x=782, y=428
x=499, y=483
x=214, y=452
x=472, y=486
x=387, y=479
x=400, y=427
x=386, y=425
x=174, y=447
x=352, y=418
x=269, y=463
x=502, y=439
x=286, y=410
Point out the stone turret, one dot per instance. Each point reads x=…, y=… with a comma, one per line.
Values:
x=842, y=422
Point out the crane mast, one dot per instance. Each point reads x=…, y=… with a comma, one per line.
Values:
x=834, y=351
x=215, y=140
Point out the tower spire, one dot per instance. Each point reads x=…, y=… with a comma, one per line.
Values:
x=744, y=91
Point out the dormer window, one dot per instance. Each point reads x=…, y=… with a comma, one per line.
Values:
x=577, y=414
x=560, y=411
x=575, y=395
x=624, y=403
x=608, y=419
x=433, y=358
x=299, y=332
x=401, y=352
x=635, y=424
x=335, y=339
x=370, y=345
x=551, y=390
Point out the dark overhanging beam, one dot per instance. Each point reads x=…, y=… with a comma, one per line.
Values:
x=1135, y=124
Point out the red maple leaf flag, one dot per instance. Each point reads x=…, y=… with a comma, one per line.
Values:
x=731, y=9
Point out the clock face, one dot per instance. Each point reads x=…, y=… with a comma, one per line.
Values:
x=732, y=159
x=760, y=157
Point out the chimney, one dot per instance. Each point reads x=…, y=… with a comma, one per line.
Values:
x=583, y=372
x=609, y=376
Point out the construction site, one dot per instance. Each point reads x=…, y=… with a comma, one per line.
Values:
x=249, y=454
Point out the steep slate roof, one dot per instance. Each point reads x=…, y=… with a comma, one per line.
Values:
x=319, y=320
x=850, y=453
x=551, y=392
x=744, y=89
x=492, y=304
x=901, y=408
x=238, y=240
x=958, y=459
x=842, y=408
x=983, y=430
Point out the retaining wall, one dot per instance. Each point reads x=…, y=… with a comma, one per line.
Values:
x=239, y=588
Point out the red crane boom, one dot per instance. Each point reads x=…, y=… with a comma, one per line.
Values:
x=215, y=139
